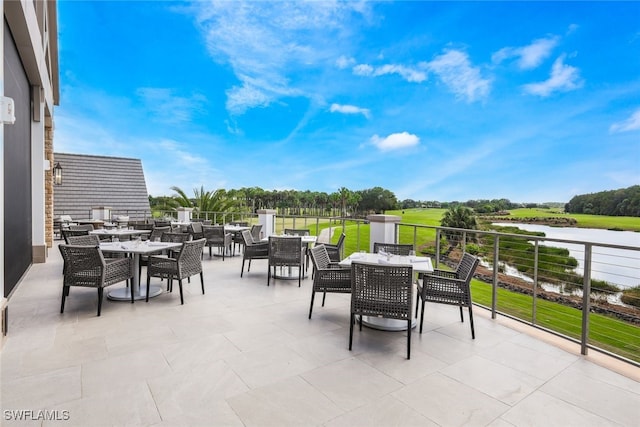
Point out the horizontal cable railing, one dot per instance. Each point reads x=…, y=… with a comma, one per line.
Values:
x=548, y=283
x=530, y=278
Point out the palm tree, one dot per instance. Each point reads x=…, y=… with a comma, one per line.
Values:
x=457, y=217
x=206, y=201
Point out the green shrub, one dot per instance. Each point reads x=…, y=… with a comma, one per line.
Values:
x=472, y=248
x=631, y=296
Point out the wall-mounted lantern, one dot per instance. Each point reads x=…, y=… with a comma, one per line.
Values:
x=57, y=174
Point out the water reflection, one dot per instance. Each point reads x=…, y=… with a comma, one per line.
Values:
x=616, y=266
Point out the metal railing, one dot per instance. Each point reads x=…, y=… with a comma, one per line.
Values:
x=533, y=281
x=520, y=276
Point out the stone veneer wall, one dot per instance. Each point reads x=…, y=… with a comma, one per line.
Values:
x=48, y=185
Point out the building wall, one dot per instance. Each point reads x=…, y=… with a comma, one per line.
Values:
x=29, y=75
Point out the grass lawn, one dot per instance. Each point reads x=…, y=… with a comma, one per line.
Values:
x=627, y=223
x=605, y=332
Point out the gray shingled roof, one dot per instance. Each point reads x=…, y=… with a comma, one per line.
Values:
x=98, y=181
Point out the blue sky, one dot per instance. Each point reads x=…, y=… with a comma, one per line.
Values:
x=534, y=102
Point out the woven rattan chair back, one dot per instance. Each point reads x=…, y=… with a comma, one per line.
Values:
x=467, y=266
x=335, y=251
x=156, y=232
x=256, y=229
x=196, y=231
x=285, y=252
x=175, y=237
x=392, y=248
x=382, y=290
x=320, y=257
x=190, y=258
x=84, y=240
x=68, y=233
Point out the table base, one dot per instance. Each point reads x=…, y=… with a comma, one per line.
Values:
x=290, y=273
x=124, y=294
x=383, y=324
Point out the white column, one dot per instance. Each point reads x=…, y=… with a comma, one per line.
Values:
x=184, y=214
x=101, y=212
x=267, y=217
x=382, y=229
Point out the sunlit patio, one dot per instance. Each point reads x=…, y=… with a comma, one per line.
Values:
x=247, y=354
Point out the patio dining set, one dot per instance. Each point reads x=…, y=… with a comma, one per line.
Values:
x=382, y=284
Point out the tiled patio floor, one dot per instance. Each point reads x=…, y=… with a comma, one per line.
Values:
x=246, y=354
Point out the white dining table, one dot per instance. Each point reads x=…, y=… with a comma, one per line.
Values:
x=118, y=232
x=420, y=264
x=136, y=248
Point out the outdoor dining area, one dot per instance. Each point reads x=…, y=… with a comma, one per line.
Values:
x=256, y=340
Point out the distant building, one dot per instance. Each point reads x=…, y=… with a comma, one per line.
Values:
x=90, y=182
x=29, y=89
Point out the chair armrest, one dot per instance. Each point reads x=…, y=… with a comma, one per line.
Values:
x=442, y=273
x=341, y=274
x=442, y=283
x=161, y=259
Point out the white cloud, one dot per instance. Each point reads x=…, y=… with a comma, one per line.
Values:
x=168, y=107
x=456, y=72
x=345, y=62
x=563, y=79
x=349, y=109
x=529, y=56
x=267, y=43
x=409, y=74
x=395, y=141
x=628, y=125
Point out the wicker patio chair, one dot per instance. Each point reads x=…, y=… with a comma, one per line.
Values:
x=85, y=266
x=252, y=250
x=381, y=290
x=335, y=251
x=285, y=252
x=328, y=276
x=449, y=287
x=392, y=248
x=66, y=233
x=216, y=237
x=187, y=264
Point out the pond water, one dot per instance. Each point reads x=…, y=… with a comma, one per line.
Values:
x=616, y=266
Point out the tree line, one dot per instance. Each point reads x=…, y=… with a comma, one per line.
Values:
x=621, y=202
x=343, y=202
